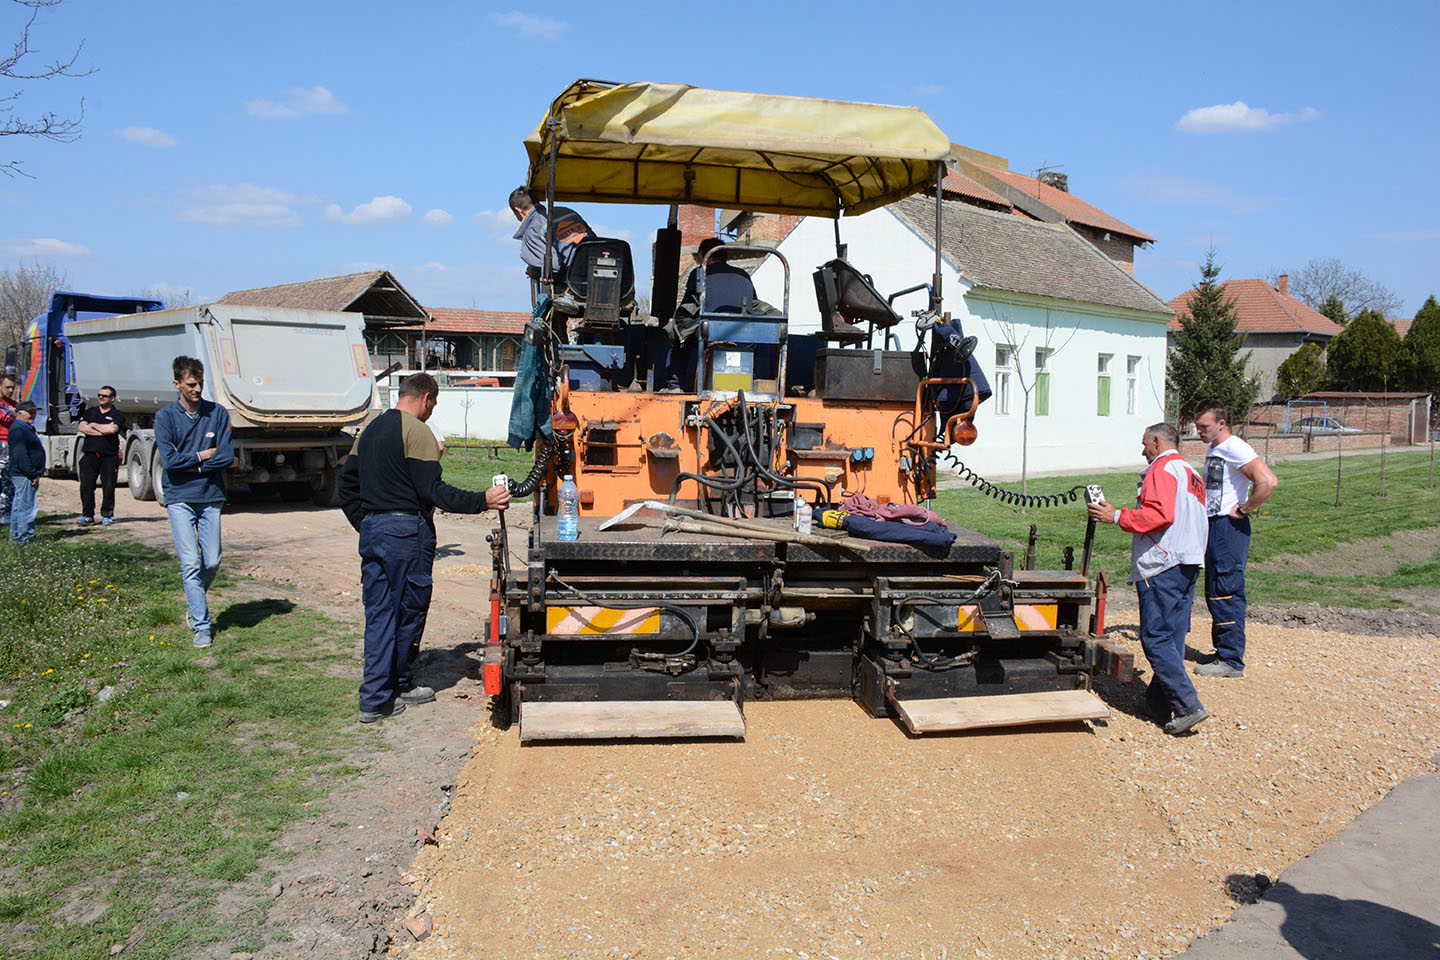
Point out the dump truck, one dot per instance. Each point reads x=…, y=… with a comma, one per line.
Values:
x=687, y=593
x=292, y=381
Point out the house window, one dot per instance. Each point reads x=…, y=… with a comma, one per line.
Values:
x=1042, y=381
x=1132, y=385
x=1102, y=384
x=1002, y=380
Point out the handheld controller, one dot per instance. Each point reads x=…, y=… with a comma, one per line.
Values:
x=1093, y=494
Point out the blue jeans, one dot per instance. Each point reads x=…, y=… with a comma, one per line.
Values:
x=196, y=529
x=22, y=510
x=1165, y=601
x=397, y=554
x=1225, y=555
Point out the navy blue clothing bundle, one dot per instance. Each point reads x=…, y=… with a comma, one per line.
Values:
x=180, y=438
x=930, y=534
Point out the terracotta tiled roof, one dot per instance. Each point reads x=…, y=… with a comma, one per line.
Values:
x=1263, y=309
x=375, y=293
x=1069, y=205
x=1401, y=325
x=1005, y=252
x=967, y=189
x=465, y=321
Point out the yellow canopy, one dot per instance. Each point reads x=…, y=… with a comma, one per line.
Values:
x=672, y=143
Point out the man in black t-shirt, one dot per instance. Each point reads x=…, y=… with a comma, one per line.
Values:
x=102, y=426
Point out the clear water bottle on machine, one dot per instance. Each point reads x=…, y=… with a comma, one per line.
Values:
x=569, y=523
x=804, y=515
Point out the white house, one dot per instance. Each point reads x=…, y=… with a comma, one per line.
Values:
x=1062, y=328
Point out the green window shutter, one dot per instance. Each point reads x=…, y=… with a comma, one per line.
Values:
x=1102, y=396
x=1042, y=393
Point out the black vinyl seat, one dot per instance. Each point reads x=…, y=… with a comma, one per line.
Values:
x=601, y=279
x=848, y=297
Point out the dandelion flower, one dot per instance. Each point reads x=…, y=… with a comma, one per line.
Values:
x=84, y=656
x=27, y=726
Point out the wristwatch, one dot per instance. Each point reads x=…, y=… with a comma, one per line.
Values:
x=1242, y=511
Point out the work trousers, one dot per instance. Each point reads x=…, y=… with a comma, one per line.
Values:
x=22, y=510
x=1165, y=600
x=397, y=555
x=4, y=481
x=1225, y=555
x=195, y=528
x=103, y=467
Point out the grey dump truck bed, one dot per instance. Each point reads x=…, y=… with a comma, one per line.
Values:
x=292, y=380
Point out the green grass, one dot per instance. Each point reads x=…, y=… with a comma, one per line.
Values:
x=90, y=805
x=1300, y=518
x=471, y=466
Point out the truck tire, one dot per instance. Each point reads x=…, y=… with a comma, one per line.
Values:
x=137, y=473
x=157, y=474
x=325, y=492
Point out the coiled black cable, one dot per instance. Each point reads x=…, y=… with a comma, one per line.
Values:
x=536, y=476
x=1010, y=497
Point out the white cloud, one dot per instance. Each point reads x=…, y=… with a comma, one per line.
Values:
x=1190, y=192
x=243, y=204
x=1224, y=117
x=297, y=102
x=437, y=218
x=46, y=247
x=498, y=221
x=534, y=26
x=928, y=89
x=148, y=136
x=386, y=209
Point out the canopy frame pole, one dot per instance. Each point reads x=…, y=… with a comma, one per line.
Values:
x=839, y=247
x=547, y=278
x=935, y=281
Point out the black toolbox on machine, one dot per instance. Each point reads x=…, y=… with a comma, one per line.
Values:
x=881, y=375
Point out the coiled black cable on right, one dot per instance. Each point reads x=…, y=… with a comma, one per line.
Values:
x=1009, y=497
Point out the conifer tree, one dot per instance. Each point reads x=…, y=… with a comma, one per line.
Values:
x=1301, y=372
x=1364, y=355
x=1334, y=308
x=1420, y=350
x=1206, y=362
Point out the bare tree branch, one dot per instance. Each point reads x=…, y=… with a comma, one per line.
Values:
x=15, y=67
x=25, y=294
x=1321, y=279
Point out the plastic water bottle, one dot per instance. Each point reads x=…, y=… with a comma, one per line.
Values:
x=569, y=509
x=803, y=515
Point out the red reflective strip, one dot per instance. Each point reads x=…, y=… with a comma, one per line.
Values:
x=492, y=679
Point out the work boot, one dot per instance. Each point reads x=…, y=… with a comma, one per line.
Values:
x=397, y=706
x=1186, y=723
x=1218, y=669
x=416, y=695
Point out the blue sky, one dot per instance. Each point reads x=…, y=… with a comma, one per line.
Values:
x=236, y=145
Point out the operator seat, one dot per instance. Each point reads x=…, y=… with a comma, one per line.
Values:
x=601, y=281
x=848, y=297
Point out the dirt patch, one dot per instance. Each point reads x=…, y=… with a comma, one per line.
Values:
x=1378, y=556
x=1357, y=621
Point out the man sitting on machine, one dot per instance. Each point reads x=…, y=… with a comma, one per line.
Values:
x=728, y=289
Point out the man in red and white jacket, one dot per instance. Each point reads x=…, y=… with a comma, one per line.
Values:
x=1169, y=526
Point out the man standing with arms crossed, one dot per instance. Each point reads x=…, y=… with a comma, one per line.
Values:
x=1165, y=554
x=102, y=426
x=1237, y=481
x=192, y=436
x=390, y=487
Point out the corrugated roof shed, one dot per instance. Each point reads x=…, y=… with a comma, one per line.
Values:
x=375, y=293
x=1261, y=308
x=1004, y=252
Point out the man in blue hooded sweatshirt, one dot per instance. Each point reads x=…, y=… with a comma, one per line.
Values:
x=193, y=437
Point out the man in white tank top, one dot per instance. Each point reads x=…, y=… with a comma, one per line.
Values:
x=1168, y=524
x=1237, y=481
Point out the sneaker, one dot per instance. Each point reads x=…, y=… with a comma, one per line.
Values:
x=397, y=706
x=201, y=640
x=1218, y=669
x=106, y=521
x=1186, y=723
x=85, y=521
x=416, y=695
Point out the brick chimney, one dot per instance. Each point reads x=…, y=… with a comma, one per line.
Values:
x=1054, y=178
x=1283, y=284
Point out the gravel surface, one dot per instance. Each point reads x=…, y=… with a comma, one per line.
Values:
x=828, y=833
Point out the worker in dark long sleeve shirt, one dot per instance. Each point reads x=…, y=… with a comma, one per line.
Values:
x=390, y=487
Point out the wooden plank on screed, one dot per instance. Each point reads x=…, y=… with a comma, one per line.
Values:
x=632, y=719
x=1014, y=709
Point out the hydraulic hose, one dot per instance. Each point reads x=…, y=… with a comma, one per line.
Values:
x=821, y=488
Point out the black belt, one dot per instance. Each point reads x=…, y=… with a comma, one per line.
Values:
x=398, y=513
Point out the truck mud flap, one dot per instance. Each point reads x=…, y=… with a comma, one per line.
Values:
x=1004, y=710
x=631, y=720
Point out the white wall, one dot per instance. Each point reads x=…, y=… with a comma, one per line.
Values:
x=1073, y=436
x=487, y=418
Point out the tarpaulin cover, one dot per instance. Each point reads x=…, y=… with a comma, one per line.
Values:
x=673, y=143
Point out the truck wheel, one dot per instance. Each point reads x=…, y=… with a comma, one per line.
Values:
x=327, y=493
x=136, y=473
x=157, y=474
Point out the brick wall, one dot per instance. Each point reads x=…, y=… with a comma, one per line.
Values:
x=1121, y=250
x=1404, y=419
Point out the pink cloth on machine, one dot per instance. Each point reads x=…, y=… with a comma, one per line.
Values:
x=911, y=513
